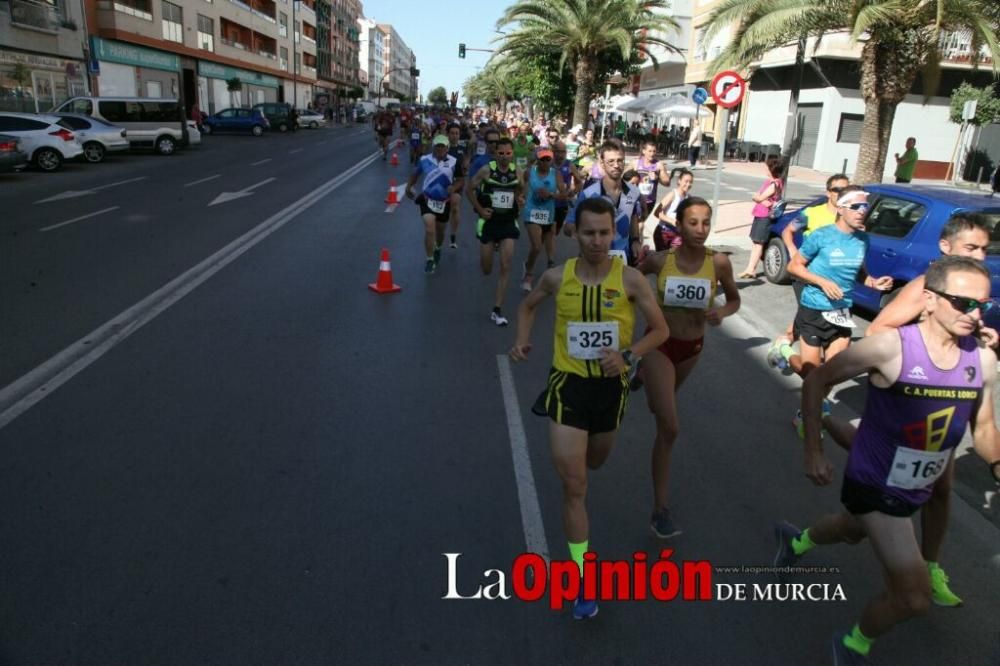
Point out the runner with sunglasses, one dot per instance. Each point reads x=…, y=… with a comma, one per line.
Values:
x=927, y=383
x=828, y=262
x=964, y=235
x=808, y=220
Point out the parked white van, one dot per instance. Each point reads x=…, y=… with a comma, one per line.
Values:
x=148, y=122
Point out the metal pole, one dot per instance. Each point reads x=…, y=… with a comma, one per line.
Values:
x=718, y=167
x=604, y=119
x=844, y=170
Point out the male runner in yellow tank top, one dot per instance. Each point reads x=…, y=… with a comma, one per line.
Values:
x=596, y=298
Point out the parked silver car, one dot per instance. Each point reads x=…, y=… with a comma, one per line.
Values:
x=97, y=137
x=311, y=119
x=12, y=156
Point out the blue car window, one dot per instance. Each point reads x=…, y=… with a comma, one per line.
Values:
x=993, y=216
x=894, y=217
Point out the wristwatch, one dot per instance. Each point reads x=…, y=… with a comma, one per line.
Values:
x=630, y=361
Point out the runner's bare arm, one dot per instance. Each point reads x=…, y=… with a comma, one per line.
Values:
x=764, y=197
x=547, y=286
x=470, y=192
x=642, y=295
x=880, y=353
x=664, y=205
x=652, y=263
x=905, y=308
x=724, y=272
x=985, y=437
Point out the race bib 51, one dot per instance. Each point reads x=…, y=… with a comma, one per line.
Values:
x=502, y=199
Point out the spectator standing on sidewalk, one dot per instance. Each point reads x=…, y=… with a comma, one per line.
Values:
x=906, y=163
x=694, y=142
x=769, y=194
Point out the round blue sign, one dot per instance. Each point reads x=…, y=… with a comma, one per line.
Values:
x=700, y=95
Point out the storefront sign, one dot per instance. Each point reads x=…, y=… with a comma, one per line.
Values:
x=214, y=71
x=32, y=60
x=127, y=54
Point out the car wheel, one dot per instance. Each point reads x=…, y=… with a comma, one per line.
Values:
x=776, y=262
x=313, y=125
x=93, y=152
x=48, y=159
x=206, y=129
x=256, y=130
x=166, y=145
x=282, y=127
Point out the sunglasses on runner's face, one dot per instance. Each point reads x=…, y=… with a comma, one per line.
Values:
x=836, y=190
x=860, y=207
x=964, y=304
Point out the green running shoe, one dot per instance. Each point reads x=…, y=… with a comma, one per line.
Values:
x=941, y=594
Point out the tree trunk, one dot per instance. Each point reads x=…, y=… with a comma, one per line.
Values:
x=889, y=66
x=583, y=75
x=793, y=139
x=874, y=146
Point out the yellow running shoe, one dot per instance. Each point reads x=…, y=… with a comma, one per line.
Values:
x=940, y=593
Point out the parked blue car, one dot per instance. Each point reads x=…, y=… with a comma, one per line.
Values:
x=903, y=225
x=236, y=120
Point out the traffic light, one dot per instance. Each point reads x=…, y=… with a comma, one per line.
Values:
x=461, y=50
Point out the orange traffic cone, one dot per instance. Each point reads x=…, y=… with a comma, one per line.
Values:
x=395, y=160
x=393, y=197
x=384, y=284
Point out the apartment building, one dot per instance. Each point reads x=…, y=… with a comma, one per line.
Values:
x=831, y=108
x=398, y=62
x=338, y=46
x=218, y=53
x=42, y=60
x=372, y=55
x=668, y=77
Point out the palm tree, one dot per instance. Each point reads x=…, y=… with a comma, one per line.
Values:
x=900, y=39
x=493, y=84
x=583, y=32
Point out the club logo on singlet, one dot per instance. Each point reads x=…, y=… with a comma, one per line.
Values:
x=970, y=373
x=917, y=373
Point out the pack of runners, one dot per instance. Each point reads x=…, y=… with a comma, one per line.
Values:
x=929, y=358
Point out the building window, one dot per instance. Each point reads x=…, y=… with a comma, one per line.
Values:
x=298, y=29
x=283, y=24
x=849, y=130
x=138, y=8
x=206, y=33
x=173, y=28
x=284, y=59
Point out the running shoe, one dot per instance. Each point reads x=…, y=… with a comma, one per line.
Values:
x=429, y=266
x=845, y=656
x=800, y=424
x=437, y=256
x=774, y=357
x=584, y=609
x=662, y=525
x=941, y=594
x=526, y=282
x=498, y=318
x=784, y=533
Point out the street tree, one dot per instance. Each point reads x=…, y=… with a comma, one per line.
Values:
x=582, y=33
x=900, y=40
x=438, y=96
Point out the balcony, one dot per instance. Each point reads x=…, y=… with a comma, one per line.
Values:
x=35, y=15
x=245, y=39
x=265, y=9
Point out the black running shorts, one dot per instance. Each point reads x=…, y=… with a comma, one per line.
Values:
x=595, y=405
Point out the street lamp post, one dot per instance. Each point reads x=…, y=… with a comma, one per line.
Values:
x=616, y=79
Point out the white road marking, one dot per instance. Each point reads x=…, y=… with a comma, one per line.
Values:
x=22, y=394
x=72, y=194
x=77, y=219
x=245, y=192
x=203, y=180
x=527, y=496
x=259, y=162
x=297, y=150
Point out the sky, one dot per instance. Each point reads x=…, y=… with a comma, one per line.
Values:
x=437, y=49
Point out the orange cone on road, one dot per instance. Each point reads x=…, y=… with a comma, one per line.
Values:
x=384, y=284
x=393, y=197
x=395, y=160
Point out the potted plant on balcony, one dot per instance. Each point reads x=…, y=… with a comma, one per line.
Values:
x=233, y=85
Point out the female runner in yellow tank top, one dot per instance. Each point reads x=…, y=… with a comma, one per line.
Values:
x=686, y=281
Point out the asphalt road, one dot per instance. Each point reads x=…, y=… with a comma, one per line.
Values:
x=270, y=469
